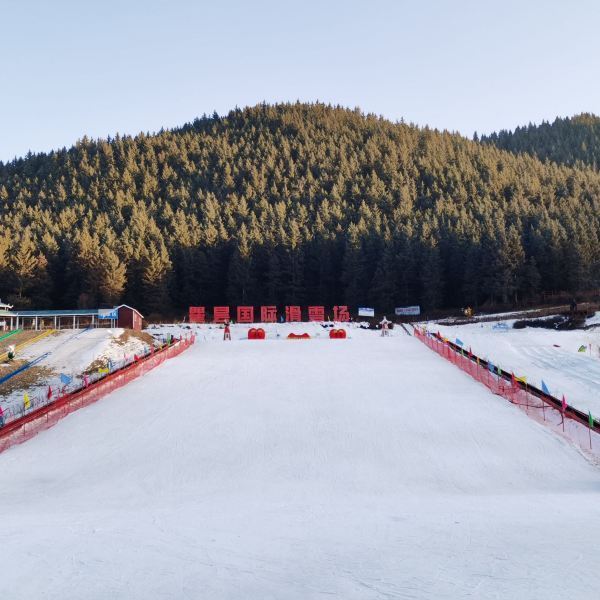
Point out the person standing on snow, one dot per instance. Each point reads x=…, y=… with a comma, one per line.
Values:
x=227, y=332
x=385, y=327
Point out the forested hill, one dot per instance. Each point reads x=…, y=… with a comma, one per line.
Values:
x=571, y=141
x=293, y=204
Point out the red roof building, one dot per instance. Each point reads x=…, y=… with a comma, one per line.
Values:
x=129, y=318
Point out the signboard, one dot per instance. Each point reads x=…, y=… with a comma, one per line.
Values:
x=268, y=314
x=293, y=314
x=245, y=314
x=197, y=314
x=341, y=313
x=408, y=310
x=108, y=313
x=316, y=313
x=221, y=314
x=366, y=312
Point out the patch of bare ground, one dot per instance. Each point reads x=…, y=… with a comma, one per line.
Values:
x=31, y=377
x=140, y=335
x=99, y=363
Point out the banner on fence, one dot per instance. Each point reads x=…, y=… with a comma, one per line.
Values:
x=408, y=310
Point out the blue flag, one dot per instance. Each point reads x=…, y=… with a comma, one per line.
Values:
x=65, y=379
x=459, y=342
x=491, y=367
x=545, y=388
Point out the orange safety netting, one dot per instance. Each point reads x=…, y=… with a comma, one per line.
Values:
x=46, y=416
x=548, y=410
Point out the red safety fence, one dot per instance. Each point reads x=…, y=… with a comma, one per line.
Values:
x=542, y=407
x=45, y=417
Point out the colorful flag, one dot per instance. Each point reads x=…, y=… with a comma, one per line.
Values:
x=65, y=379
x=582, y=348
x=459, y=342
x=491, y=367
x=591, y=420
x=49, y=393
x=26, y=401
x=563, y=405
x=545, y=388
x=102, y=371
x=521, y=379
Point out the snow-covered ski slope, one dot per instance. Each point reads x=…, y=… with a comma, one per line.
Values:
x=540, y=354
x=355, y=469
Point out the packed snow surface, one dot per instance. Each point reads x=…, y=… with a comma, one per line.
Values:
x=352, y=469
x=540, y=354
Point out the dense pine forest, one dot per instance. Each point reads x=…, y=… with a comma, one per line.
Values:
x=571, y=141
x=301, y=204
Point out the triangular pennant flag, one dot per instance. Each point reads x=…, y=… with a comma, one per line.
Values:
x=545, y=388
x=563, y=405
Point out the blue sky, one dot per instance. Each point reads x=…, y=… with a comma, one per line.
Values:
x=75, y=68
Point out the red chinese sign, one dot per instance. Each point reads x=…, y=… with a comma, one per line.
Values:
x=197, y=314
x=316, y=313
x=268, y=314
x=293, y=314
x=221, y=314
x=340, y=313
x=245, y=314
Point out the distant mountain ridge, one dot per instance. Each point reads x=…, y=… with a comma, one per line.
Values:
x=570, y=141
x=294, y=204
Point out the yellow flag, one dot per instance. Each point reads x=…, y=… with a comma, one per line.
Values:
x=26, y=402
x=521, y=379
x=101, y=371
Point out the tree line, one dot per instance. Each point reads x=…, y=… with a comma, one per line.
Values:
x=570, y=141
x=293, y=204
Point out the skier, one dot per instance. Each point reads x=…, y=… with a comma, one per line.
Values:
x=384, y=327
x=227, y=332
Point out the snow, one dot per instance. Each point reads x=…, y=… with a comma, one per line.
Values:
x=540, y=354
x=364, y=468
x=594, y=320
x=72, y=351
